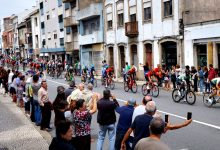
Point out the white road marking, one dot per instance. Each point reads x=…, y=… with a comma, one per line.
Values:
x=177, y=116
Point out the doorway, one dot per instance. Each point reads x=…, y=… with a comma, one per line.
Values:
x=169, y=53
x=134, y=56
x=148, y=55
x=111, y=56
x=121, y=58
x=201, y=55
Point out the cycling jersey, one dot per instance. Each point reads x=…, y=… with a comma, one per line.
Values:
x=215, y=83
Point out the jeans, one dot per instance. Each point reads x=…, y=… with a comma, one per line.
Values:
x=118, y=140
x=101, y=136
x=37, y=112
x=201, y=85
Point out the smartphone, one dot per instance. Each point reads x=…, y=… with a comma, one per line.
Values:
x=189, y=115
x=166, y=118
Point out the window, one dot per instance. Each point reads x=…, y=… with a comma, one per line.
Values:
x=93, y=28
x=120, y=19
x=91, y=25
x=60, y=18
x=133, y=17
x=41, y=5
x=48, y=17
x=61, y=41
x=147, y=11
x=49, y=39
x=59, y=3
x=110, y=24
x=55, y=36
x=68, y=30
x=168, y=8
x=42, y=25
x=67, y=6
x=35, y=21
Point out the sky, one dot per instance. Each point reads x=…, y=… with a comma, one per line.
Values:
x=9, y=7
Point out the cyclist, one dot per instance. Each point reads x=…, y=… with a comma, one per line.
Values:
x=91, y=74
x=104, y=73
x=127, y=68
x=215, y=84
x=132, y=72
x=84, y=73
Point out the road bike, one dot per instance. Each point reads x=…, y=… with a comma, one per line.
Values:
x=69, y=77
x=150, y=88
x=109, y=82
x=130, y=84
x=209, y=102
x=182, y=91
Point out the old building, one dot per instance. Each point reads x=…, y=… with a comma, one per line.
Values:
x=202, y=32
x=52, y=29
x=143, y=31
x=71, y=31
x=91, y=32
x=7, y=36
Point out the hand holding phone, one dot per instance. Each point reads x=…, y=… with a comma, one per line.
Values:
x=189, y=115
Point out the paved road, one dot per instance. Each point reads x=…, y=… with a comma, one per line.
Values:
x=16, y=130
x=202, y=134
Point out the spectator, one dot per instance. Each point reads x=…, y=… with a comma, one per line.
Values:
x=70, y=89
x=211, y=73
x=106, y=118
x=173, y=76
x=140, y=125
x=35, y=107
x=63, y=137
x=201, y=79
x=206, y=81
x=45, y=106
x=157, y=126
x=194, y=78
x=59, y=105
x=82, y=121
x=124, y=122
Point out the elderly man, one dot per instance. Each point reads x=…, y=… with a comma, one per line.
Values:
x=70, y=89
x=157, y=127
x=45, y=106
x=140, y=125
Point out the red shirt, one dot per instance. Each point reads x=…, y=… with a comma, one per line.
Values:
x=211, y=74
x=109, y=70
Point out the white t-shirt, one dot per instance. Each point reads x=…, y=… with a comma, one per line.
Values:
x=10, y=77
x=139, y=110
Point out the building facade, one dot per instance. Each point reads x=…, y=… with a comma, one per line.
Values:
x=202, y=32
x=71, y=31
x=52, y=29
x=91, y=33
x=142, y=31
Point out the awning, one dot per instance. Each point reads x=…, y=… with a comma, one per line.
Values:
x=41, y=54
x=46, y=54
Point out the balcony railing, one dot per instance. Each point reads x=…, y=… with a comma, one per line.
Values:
x=131, y=29
x=69, y=46
x=70, y=21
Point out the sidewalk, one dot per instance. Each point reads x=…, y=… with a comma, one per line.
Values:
x=16, y=130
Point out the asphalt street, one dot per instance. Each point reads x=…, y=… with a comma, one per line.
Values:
x=202, y=134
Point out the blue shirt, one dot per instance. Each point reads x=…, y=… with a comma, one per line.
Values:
x=125, y=118
x=141, y=127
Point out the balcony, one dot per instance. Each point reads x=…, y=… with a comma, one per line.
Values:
x=70, y=21
x=131, y=29
x=69, y=46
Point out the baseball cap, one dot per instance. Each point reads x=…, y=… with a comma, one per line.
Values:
x=132, y=102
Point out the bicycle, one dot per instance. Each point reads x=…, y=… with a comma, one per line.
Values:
x=181, y=92
x=130, y=84
x=150, y=87
x=69, y=77
x=209, y=102
x=93, y=81
x=109, y=82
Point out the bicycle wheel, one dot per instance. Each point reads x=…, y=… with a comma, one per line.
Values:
x=126, y=88
x=112, y=85
x=206, y=101
x=176, y=95
x=190, y=97
x=134, y=87
x=155, y=91
x=144, y=89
